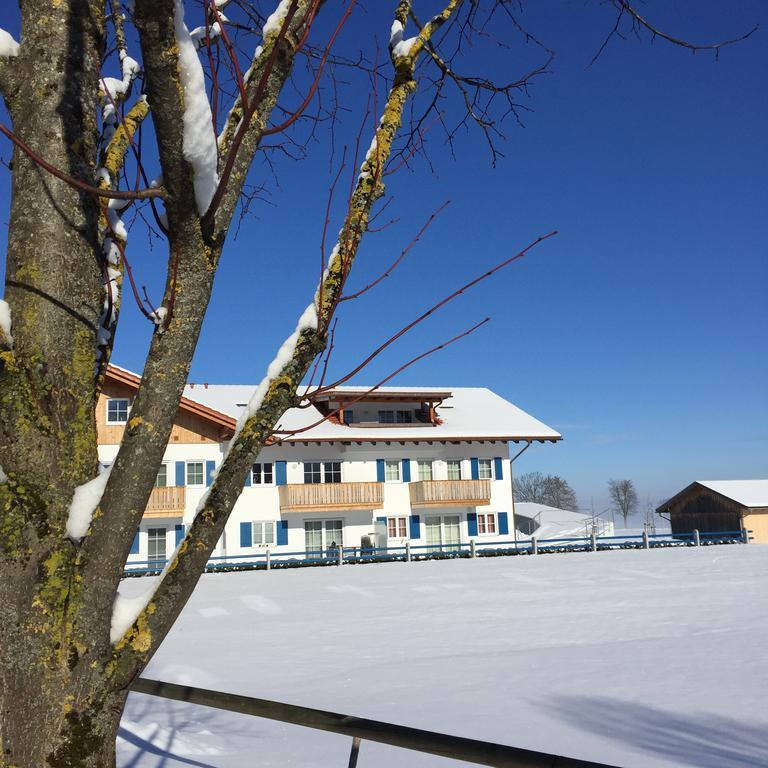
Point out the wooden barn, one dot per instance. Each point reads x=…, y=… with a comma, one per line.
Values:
x=720, y=505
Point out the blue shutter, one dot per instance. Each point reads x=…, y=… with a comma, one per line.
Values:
x=472, y=523
x=406, y=470
x=498, y=468
x=248, y=478
x=179, y=534
x=181, y=473
x=415, y=532
x=135, y=544
x=475, y=469
x=503, y=523
x=282, y=532
x=380, y=476
x=246, y=535
x=210, y=468
x=281, y=473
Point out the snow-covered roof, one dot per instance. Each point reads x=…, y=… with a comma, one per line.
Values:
x=468, y=413
x=748, y=493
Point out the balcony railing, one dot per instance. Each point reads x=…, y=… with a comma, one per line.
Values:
x=166, y=502
x=450, y=493
x=317, y=496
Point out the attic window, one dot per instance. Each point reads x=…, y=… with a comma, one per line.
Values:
x=117, y=410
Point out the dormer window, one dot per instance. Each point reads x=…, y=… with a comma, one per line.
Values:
x=117, y=410
x=396, y=417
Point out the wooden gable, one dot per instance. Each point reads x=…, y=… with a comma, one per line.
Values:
x=194, y=423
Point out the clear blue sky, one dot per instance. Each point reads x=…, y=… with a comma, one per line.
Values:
x=639, y=332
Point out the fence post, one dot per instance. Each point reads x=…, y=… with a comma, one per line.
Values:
x=269, y=559
x=341, y=555
x=354, y=752
x=407, y=551
x=696, y=538
x=472, y=550
x=535, y=545
x=646, y=543
x=745, y=535
x=593, y=541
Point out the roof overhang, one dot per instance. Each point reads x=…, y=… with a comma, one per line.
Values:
x=121, y=376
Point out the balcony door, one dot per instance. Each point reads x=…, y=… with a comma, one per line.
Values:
x=156, y=552
x=443, y=532
x=323, y=537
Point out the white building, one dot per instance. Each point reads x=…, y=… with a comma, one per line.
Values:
x=419, y=465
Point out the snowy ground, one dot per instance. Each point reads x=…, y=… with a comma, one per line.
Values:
x=633, y=658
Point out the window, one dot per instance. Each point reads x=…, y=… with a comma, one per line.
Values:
x=195, y=473
x=161, y=481
x=261, y=474
x=403, y=417
x=454, y=469
x=486, y=523
x=386, y=417
x=322, y=472
x=396, y=528
x=263, y=533
x=117, y=410
x=485, y=469
x=332, y=472
x=312, y=472
x=425, y=469
x=391, y=470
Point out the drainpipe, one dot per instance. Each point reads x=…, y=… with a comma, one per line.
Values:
x=511, y=461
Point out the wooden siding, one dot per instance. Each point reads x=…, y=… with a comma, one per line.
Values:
x=704, y=510
x=312, y=497
x=166, y=502
x=188, y=428
x=450, y=493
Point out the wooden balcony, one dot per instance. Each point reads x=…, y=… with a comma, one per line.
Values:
x=450, y=493
x=166, y=502
x=315, y=497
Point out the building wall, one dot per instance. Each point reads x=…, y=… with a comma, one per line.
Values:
x=756, y=520
x=359, y=464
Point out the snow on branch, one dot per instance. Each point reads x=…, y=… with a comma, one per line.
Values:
x=199, y=144
x=85, y=501
x=397, y=45
x=8, y=46
x=5, y=323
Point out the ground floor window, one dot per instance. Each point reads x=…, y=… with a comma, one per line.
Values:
x=443, y=532
x=322, y=538
x=263, y=532
x=156, y=547
x=486, y=523
x=396, y=527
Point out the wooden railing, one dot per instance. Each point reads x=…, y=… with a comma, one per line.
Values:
x=450, y=493
x=360, y=728
x=317, y=496
x=166, y=502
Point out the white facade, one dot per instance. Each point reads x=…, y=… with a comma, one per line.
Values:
x=386, y=467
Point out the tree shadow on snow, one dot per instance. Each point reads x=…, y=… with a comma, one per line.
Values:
x=710, y=741
x=174, y=732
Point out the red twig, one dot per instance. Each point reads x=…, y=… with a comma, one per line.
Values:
x=400, y=257
x=382, y=382
x=437, y=306
x=304, y=104
x=113, y=194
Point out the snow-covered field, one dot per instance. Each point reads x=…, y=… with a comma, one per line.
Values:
x=632, y=658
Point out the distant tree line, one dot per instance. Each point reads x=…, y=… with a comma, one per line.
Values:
x=539, y=488
x=553, y=491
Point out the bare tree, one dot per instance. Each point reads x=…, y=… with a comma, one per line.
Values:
x=623, y=497
x=82, y=163
x=551, y=490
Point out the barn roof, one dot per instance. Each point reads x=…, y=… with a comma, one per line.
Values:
x=747, y=493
